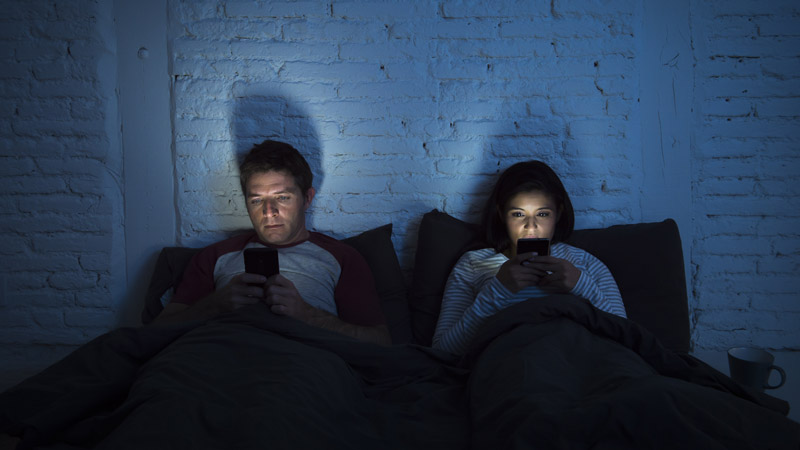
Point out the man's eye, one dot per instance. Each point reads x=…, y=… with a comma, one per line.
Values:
x=255, y=201
x=284, y=198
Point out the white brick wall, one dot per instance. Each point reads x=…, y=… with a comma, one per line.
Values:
x=403, y=106
x=746, y=174
x=400, y=107
x=59, y=169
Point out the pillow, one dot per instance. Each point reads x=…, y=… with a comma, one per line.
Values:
x=645, y=259
x=441, y=241
x=375, y=245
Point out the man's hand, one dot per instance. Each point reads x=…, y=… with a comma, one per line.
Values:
x=243, y=289
x=283, y=298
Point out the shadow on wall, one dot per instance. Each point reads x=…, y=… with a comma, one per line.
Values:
x=262, y=115
x=512, y=144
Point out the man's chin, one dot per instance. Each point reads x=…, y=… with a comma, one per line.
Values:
x=273, y=238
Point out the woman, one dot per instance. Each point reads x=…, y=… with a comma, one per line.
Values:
x=528, y=201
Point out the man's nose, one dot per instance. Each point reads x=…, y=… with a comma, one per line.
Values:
x=270, y=208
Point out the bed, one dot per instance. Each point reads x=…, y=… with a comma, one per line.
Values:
x=545, y=373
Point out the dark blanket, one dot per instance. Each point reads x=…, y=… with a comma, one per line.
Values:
x=557, y=373
x=547, y=373
x=249, y=379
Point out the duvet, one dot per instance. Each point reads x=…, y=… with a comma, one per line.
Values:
x=547, y=373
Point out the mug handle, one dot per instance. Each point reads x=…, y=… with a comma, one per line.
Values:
x=783, y=378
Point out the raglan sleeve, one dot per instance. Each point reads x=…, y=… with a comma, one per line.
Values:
x=356, y=296
x=198, y=278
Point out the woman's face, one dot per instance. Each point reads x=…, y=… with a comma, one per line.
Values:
x=531, y=214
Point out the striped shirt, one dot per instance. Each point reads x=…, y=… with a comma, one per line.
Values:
x=473, y=293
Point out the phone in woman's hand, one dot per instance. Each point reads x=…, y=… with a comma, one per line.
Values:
x=540, y=246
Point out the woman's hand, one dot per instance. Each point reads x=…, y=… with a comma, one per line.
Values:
x=547, y=272
x=559, y=274
x=516, y=273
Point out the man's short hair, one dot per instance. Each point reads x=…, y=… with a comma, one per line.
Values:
x=280, y=157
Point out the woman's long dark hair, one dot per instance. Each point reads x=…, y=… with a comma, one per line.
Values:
x=526, y=176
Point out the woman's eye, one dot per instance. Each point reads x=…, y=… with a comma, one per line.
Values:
x=544, y=214
x=516, y=214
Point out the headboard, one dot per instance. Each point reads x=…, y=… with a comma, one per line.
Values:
x=645, y=259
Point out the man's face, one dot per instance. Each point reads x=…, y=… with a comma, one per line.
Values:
x=277, y=207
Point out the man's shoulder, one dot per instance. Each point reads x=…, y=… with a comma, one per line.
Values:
x=339, y=249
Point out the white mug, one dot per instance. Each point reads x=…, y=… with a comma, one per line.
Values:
x=752, y=367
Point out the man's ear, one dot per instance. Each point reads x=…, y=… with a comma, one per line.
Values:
x=308, y=198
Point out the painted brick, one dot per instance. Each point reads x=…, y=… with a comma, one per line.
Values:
x=593, y=8
x=55, y=203
x=98, y=318
x=37, y=298
x=276, y=9
x=457, y=9
x=13, y=244
x=337, y=30
x=413, y=105
x=781, y=69
x=71, y=242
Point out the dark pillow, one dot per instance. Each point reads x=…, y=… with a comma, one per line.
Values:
x=645, y=259
x=375, y=245
x=377, y=248
x=166, y=275
x=441, y=241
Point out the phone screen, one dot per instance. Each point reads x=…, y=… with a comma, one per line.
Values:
x=540, y=246
x=262, y=261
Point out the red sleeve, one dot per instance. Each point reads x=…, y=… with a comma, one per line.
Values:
x=356, y=298
x=198, y=278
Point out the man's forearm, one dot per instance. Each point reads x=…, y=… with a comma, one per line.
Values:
x=179, y=312
x=376, y=334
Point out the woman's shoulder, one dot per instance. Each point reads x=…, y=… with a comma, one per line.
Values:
x=478, y=258
x=567, y=251
x=573, y=254
x=480, y=254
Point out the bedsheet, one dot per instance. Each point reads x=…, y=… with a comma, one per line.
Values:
x=546, y=373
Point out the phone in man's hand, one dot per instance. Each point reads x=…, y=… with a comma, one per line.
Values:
x=540, y=246
x=261, y=261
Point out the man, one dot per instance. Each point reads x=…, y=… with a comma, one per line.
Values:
x=322, y=281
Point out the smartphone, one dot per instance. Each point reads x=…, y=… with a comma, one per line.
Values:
x=262, y=261
x=539, y=245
